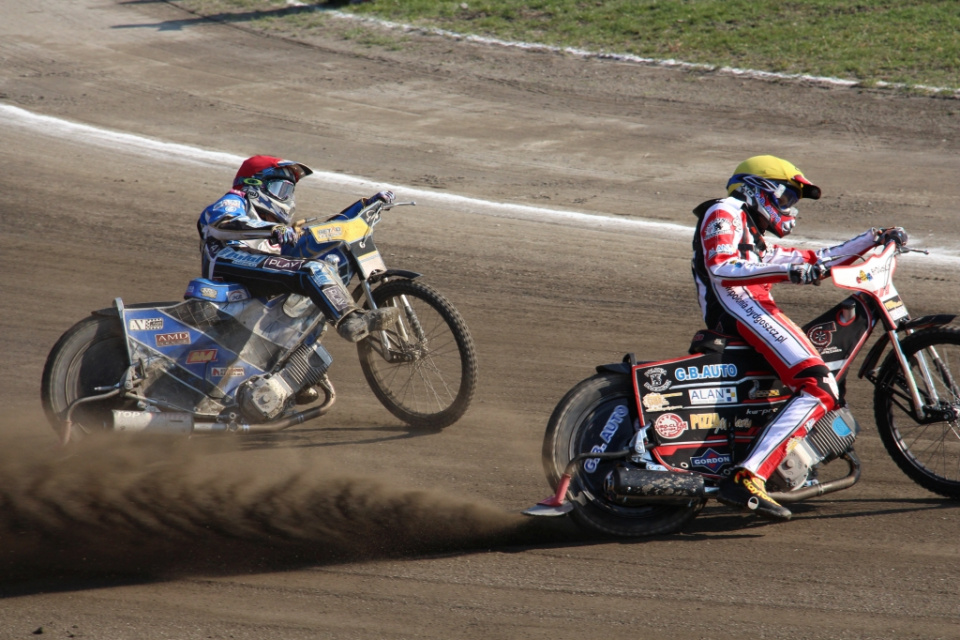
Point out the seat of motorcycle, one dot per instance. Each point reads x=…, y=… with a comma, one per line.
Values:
x=706, y=341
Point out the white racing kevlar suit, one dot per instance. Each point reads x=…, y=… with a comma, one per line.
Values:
x=734, y=271
x=259, y=264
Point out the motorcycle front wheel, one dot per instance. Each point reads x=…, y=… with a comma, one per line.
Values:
x=423, y=369
x=599, y=414
x=928, y=452
x=90, y=357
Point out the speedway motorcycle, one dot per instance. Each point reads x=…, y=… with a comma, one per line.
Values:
x=639, y=448
x=224, y=361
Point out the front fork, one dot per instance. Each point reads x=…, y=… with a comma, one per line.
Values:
x=921, y=408
x=401, y=328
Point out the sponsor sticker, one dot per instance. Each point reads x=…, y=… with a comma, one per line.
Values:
x=822, y=335
x=613, y=423
x=606, y=434
x=711, y=460
x=718, y=227
x=282, y=264
x=325, y=234
x=657, y=377
x=706, y=372
x=670, y=425
x=227, y=372
x=146, y=324
x=172, y=339
x=757, y=393
x=713, y=395
x=658, y=401
x=336, y=296
x=699, y=421
x=240, y=257
x=204, y=355
x=208, y=292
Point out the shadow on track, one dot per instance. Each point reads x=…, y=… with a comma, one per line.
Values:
x=237, y=17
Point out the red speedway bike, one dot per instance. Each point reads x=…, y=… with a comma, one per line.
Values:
x=638, y=448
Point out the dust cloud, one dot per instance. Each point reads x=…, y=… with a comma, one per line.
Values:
x=154, y=509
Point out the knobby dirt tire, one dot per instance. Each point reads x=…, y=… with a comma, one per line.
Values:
x=90, y=354
x=928, y=453
x=433, y=377
x=575, y=427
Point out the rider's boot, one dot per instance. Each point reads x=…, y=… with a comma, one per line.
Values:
x=357, y=325
x=747, y=491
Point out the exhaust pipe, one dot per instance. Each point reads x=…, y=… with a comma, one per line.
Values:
x=634, y=487
x=167, y=423
x=181, y=423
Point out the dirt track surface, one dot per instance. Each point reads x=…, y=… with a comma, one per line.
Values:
x=353, y=526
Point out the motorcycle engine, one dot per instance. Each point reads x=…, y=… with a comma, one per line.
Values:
x=263, y=398
x=832, y=436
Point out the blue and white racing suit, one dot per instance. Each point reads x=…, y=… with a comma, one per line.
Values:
x=259, y=264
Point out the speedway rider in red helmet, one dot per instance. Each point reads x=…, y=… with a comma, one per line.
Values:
x=734, y=269
x=262, y=198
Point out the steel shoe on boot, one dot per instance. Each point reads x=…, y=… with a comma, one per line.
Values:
x=747, y=491
x=358, y=325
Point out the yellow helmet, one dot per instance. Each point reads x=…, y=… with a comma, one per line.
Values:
x=773, y=168
x=771, y=187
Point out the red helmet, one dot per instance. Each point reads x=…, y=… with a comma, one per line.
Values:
x=273, y=180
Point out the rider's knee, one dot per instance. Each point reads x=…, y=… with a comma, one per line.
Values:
x=818, y=381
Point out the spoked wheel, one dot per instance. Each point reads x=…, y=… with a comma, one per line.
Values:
x=927, y=450
x=600, y=412
x=424, y=369
x=89, y=357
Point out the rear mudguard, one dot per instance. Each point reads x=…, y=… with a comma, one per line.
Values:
x=872, y=359
x=624, y=367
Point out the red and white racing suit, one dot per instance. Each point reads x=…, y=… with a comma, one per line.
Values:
x=734, y=271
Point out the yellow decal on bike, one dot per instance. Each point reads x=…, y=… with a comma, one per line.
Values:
x=348, y=231
x=708, y=421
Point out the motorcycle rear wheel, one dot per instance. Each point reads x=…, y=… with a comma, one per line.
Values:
x=92, y=354
x=928, y=453
x=428, y=375
x=575, y=427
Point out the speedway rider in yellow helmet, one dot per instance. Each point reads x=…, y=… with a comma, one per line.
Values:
x=734, y=269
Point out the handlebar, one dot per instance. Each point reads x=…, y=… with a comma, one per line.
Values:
x=412, y=203
x=829, y=263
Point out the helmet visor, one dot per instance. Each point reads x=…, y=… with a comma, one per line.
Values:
x=281, y=190
x=788, y=198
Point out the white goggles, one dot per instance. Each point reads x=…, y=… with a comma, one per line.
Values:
x=282, y=190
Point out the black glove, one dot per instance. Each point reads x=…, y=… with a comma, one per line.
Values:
x=282, y=235
x=808, y=273
x=893, y=234
x=386, y=197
